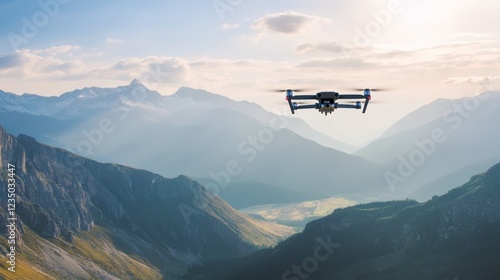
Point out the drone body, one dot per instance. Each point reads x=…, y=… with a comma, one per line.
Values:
x=327, y=101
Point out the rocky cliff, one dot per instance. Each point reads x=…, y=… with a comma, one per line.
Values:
x=168, y=223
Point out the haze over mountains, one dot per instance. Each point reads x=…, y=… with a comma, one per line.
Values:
x=451, y=139
x=124, y=99
x=241, y=150
x=192, y=132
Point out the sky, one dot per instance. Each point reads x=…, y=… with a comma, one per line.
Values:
x=418, y=50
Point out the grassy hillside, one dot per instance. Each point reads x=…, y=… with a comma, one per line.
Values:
x=90, y=255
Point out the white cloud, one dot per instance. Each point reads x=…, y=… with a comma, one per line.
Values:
x=113, y=41
x=228, y=26
x=41, y=63
x=289, y=22
x=472, y=35
x=464, y=62
x=56, y=50
x=486, y=80
x=452, y=56
x=340, y=62
x=322, y=46
x=49, y=65
x=152, y=69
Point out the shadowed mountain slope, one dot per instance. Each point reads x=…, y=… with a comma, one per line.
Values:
x=454, y=236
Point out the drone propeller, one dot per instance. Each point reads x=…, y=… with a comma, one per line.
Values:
x=371, y=89
x=294, y=90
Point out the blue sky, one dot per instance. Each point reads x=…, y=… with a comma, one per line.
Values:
x=425, y=50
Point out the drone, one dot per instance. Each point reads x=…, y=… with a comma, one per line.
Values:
x=327, y=100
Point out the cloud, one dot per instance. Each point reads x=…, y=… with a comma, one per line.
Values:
x=454, y=63
x=336, y=63
x=322, y=46
x=227, y=26
x=113, y=41
x=485, y=80
x=455, y=55
x=40, y=63
x=12, y=60
x=452, y=56
x=472, y=35
x=62, y=68
x=57, y=50
x=289, y=22
x=152, y=69
x=206, y=63
x=51, y=65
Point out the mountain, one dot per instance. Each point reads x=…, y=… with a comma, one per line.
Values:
x=191, y=132
x=78, y=218
x=423, y=115
x=454, y=236
x=136, y=95
x=443, y=184
x=442, y=138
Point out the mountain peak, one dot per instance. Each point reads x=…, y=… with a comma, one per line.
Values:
x=136, y=82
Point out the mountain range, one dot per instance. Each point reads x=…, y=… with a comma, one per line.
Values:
x=193, y=132
x=201, y=134
x=81, y=219
x=123, y=99
x=453, y=236
x=442, y=143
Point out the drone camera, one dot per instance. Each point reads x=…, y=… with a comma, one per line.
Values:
x=326, y=107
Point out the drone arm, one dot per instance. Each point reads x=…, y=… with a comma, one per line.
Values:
x=366, y=103
x=302, y=97
x=311, y=106
x=290, y=104
x=294, y=106
x=351, y=96
x=347, y=106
